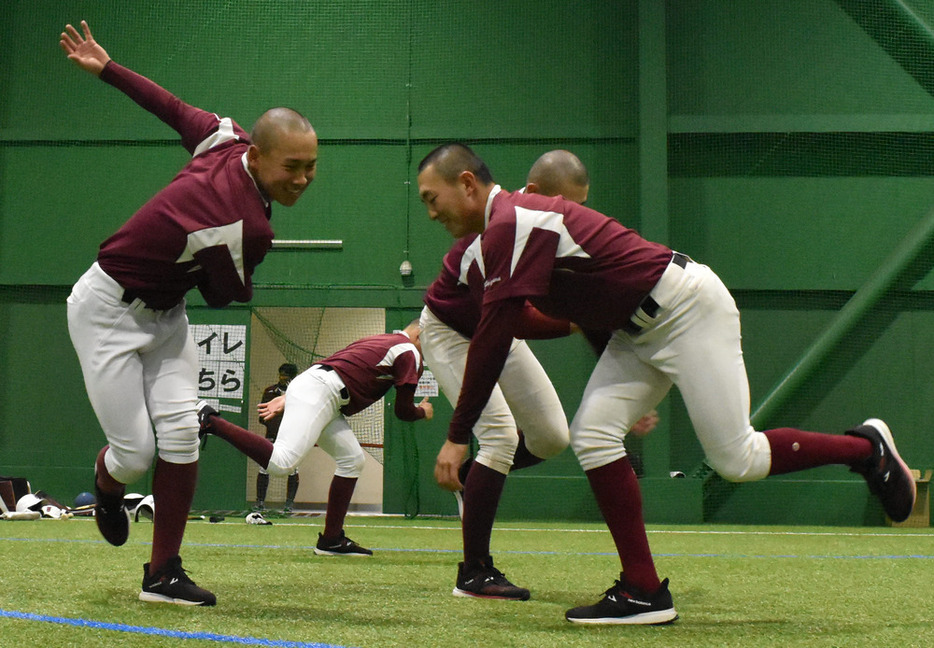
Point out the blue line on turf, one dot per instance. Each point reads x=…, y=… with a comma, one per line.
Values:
x=161, y=632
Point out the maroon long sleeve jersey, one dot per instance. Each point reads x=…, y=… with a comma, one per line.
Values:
x=372, y=365
x=208, y=228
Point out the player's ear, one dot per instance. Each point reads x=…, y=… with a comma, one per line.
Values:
x=467, y=180
x=252, y=154
x=532, y=187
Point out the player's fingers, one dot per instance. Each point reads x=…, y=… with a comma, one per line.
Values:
x=87, y=30
x=73, y=34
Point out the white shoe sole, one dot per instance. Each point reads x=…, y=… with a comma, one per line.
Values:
x=324, y=552
x=159, y=598
x=465, y=594
x=648, y=618
x=886, y=433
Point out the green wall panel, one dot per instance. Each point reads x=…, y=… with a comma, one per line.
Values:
x=780, y=57
x=795, y=233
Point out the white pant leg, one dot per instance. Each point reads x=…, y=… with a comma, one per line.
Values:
x=170, y=373
x=534, y=403
x=445, y=352
x=621, y=389
x=312, y=402
x=695, y=343
x=339, y=441
x=702, y=353
x=107, y=338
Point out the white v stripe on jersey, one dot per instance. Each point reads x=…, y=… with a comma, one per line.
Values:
x=229, y=235
x=471, y=254
x=224, y=133
x=397, y=350
x=531, y=219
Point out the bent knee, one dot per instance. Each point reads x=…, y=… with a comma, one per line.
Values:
x=749, y=460
x=351, y=466
x=180, y=449
x=128, y=466
x=281, y=464
x=549, y=444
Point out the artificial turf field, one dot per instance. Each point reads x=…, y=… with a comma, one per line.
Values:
x=62, y=585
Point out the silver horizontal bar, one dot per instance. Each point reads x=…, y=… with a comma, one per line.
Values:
x=307, y=244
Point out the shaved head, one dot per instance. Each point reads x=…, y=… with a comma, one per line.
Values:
x=283, y=157
x=558, y=173
x=273, y=123
x=449, y=160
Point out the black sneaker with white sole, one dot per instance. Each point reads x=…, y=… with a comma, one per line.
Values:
x=172, y=585
x=622, y=604
x=887, y=475
x=482, y=580
x=341, y=546
x=111, y=516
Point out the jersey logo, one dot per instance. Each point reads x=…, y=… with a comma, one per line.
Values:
x=229, y=235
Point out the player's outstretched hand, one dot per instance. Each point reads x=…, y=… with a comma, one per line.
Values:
x=449, y=461
x=84, y=50
x=271, y=409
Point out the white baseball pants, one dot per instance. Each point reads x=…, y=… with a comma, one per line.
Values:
x=312, y=415
x=140, y=369
x=524, y=397
x=694, y=343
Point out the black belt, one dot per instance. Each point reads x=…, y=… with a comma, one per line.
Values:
x=129, y=297
x=344, y=393
x=648, y=305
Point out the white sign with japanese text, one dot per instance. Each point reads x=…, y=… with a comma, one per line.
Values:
x=222, y=359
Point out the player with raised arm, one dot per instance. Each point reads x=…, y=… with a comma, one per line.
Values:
x=314, y=410
x=673, y=322
x=208, y=229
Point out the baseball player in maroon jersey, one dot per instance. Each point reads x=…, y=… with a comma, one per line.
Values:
x=523, y=423
x=673, y=322
x=287, y=371
x=314, y=410
x=208, y=228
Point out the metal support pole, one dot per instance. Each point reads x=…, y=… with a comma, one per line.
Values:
x=908, y=263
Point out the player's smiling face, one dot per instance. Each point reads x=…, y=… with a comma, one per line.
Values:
x=448, y=203
x=286, y=169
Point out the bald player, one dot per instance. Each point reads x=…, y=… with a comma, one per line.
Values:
x=209, y=228
x=672, y=322
x=314, y=410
